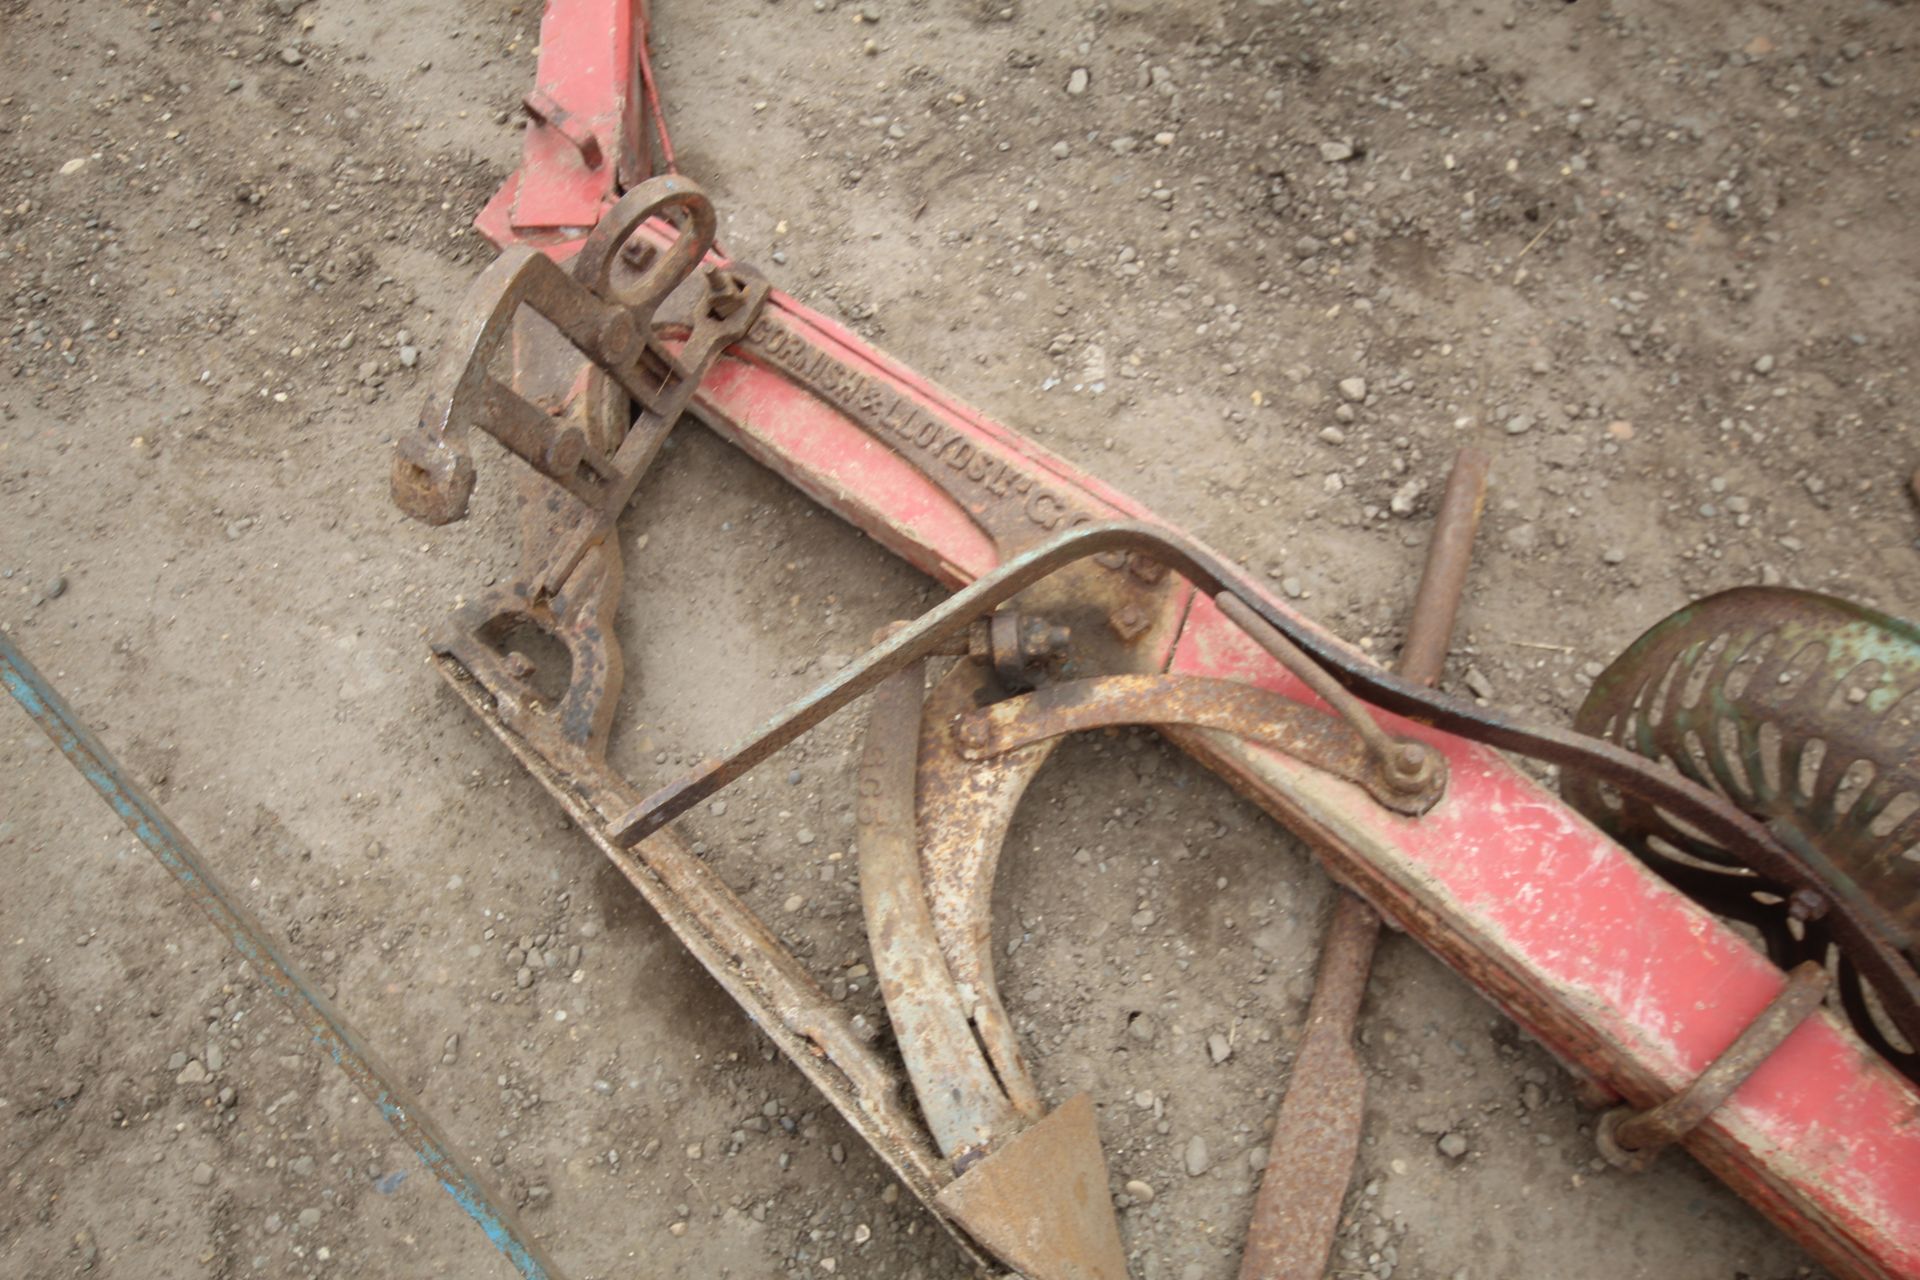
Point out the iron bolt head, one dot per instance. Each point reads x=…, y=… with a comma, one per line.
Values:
x=1041, y=641
x=1409, y=766
x=1806, y=905
x=1128, y=622
x=620, y=339
x=1145, y=570
x=565, y=451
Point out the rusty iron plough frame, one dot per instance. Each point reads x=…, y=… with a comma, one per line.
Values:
x=1638, y=990
x=1142, y=603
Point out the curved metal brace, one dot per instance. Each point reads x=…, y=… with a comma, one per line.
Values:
x=1259, y=715
x=975, y=765
x=1030, y=1184
x=609, y=309
x=965, y=1108
x=1633, y=1140
x=963, y=810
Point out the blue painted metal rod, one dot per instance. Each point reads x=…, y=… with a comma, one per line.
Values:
x=329, y=1030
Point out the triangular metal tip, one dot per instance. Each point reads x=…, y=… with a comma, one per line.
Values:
x=1040, y=1203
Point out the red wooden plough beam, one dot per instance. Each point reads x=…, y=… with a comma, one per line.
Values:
x=1618, y=973
x=1624, y=978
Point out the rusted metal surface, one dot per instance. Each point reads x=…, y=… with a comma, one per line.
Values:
x=651, y=323
x=651, y=330
x=940, y=626
x=1228, y=706
x=964, y=808
x=1022, y=647
x=373, y=1079
x=1823, y=1142
x=1040, y=1202
x=812, y=1029
x=607, y=310
x=1443, y=579
x=1633, y=1140
x=1708, y=813
x=1406, y=766
x=1804, y=711
x=1822, y=1149
x=1031, y=1187
x=1317, y=1133
x=1410, y=768
x=1310, y=1155
x=964, y=1105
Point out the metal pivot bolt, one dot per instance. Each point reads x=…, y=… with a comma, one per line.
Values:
x=1410, y=768
x=1633, y=1140
x=1405, y=766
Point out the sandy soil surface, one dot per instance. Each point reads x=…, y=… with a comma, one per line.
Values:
x=1661, y=255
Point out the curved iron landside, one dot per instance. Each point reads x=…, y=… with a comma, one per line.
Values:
x=978, y=751
x=936, y=796
x=939, y=779
x=965, y=1105
x=1878, y=957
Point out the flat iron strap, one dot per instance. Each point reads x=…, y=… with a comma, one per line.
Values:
x=1306, y=733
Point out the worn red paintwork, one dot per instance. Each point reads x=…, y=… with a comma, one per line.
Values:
x=589, y=50
x=1621, y=975
x=1628, y=981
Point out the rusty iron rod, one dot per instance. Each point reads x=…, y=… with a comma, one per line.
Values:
x=1449, y=555
x=1633, y=1140
x=328, y=1028
x=1404, y=765
x=1317, y=1133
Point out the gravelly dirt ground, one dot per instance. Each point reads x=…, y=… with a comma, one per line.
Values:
x=1662, y=256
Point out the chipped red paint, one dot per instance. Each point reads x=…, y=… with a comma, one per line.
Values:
x=1624, y=978
x=589, y=56
x=1621, y=975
